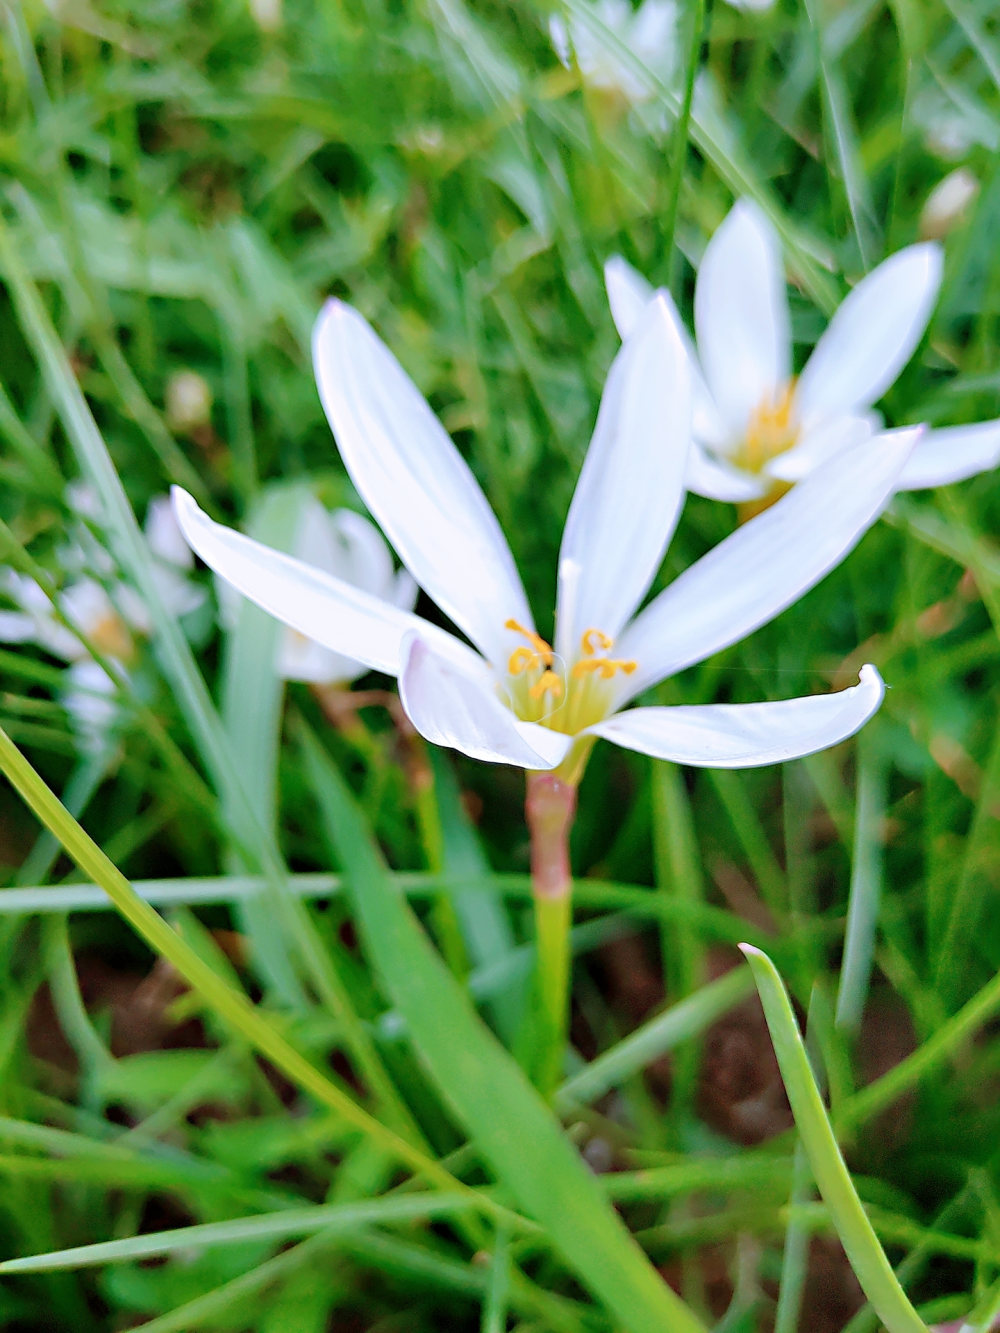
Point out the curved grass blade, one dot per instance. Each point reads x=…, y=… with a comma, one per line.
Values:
x=857, y=1235
x=232, y=1006
x=513, y=1129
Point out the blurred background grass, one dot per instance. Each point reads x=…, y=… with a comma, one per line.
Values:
x=186, y=182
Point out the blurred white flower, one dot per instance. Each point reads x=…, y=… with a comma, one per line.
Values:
x=649, y=33
x=350, y=548
x=520, y=700
x=757, y=428
x=946, y=204
x=267, y=14
x=188, y=401
x=107, y=617
x=89, y=699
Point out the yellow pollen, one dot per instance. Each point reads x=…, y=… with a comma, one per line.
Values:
x=547, y=683
x=771, y=429
x=525, y=658
x=604, y=666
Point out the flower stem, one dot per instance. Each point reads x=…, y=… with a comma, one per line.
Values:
x=550, y=805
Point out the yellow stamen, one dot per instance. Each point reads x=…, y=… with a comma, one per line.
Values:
x=604, y=666
x=547, y=683
x=771, y=429
x=602, y=641
x=523, y=659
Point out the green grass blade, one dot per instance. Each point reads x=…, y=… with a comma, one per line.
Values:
x=512, y=1127
x=856, y=1233
x=866, y=881
x=231, y=1005
x=269, y=1226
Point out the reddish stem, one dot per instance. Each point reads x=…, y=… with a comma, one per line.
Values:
x=550, y=807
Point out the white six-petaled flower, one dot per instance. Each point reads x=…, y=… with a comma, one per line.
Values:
x=518, y=699
x=757, y=429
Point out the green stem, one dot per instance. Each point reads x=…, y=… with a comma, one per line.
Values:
x=550, y=805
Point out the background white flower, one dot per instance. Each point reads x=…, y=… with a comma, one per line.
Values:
x=649, y=33
x=106, y=616
x=757, y=429
x=519, y=700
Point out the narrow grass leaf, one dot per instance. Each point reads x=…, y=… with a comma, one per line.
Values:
x=857, y=1235
x=501, y=1111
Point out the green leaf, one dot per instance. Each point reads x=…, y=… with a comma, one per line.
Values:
x=269, y=1226
x=487, y=1090
x=857, y=1235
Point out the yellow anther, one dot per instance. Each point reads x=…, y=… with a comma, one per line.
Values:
x=523, y=658
x=547, y=683
x=589, y=638
x=605, y=667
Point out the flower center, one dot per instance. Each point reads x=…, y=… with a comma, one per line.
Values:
x=540, y=689
x=111, y=637
x=771, y=430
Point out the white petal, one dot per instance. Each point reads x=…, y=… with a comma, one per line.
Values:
x=872, y=335
x=368, y=561
x=16, y=627
x=952, y=454
x=741, y=315
x=404, y=591
x=717, y=479
x=828, y=439
x=414, y=481
x=317, y=604
x=300, y=658
x=746, y=735
x=768, y=563
x=631, y=488
x=164, y=536
x=629, y=293
x=449, y=707
x=88, y=697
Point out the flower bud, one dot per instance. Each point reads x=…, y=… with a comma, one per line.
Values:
x=945, y=206
x=189, y=401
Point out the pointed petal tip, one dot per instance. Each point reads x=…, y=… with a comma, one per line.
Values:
x=751, y=950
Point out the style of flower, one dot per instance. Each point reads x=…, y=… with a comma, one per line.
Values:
x=648, y=33
x=350, y=548
x=757, y=428
x=520, y=699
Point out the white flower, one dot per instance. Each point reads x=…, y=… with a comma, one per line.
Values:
x=106, y=617
x=87, y=694
x=757, y=429
x=188, y=401
x=518, y=700
x=350, y=548
x=88, y=697
x=649, y=33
